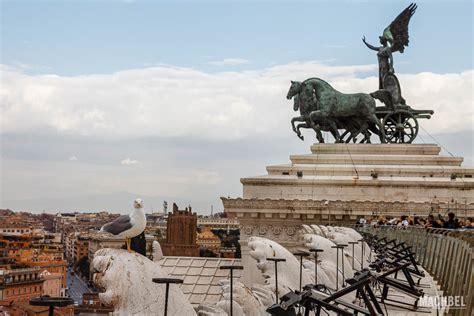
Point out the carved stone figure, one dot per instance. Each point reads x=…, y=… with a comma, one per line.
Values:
x=126, y=279
x=338, y=235
x=289, y=271
x=310, y=237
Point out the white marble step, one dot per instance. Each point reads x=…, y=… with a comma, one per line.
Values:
x=377, y=149
x=352, y=159
x=367, y=170
x=320, y=180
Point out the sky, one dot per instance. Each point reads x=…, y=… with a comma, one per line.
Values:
x=105, y=101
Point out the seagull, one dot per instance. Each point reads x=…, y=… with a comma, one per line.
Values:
x=128, y=226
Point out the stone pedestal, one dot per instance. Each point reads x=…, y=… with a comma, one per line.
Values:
x=339, y=183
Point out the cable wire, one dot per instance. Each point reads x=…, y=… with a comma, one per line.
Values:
x=353, y=164
x=436, y=141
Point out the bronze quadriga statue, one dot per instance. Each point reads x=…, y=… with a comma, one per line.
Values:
x=322, y=108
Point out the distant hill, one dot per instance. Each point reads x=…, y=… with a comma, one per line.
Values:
x=6, y=212
x=117, y=202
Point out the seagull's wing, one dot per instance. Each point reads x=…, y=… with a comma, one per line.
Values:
x=119, y=225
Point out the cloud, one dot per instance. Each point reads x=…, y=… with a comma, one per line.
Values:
x=19, y=66
x=169, y=101
x=73, y=158
x=128, y=161
x=229, y=62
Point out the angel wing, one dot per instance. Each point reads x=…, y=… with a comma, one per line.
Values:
x=397, y=32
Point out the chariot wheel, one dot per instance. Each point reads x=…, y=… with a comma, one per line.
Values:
x=400, y=127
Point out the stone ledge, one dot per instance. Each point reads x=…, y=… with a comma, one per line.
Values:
x=317, y=181
x=374, y=149
x=367, y=170
x=376, y=159
x=298, y=205
x=251, y=209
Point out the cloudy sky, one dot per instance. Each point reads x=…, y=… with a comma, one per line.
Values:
x=105, y=101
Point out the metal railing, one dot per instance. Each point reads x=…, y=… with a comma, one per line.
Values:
x=447, y=255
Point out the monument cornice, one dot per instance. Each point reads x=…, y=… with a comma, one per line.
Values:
x=254, y=210
x=255, y=204
x=361, y=181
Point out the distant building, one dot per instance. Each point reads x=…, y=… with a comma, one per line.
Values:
x=52, y=262
x=92, y=306
x=52, y=284
x=81, y=248
x=7, y=229
x=181, y=233
x=7, y=243
x=216, y=222
x=18, y=284
x=206, y=239
x=62, y=219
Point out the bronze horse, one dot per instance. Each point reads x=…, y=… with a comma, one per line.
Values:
x=324, y=108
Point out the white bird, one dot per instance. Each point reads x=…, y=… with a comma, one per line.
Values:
x=128, y=226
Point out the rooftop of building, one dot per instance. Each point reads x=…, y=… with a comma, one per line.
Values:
x=200, y=276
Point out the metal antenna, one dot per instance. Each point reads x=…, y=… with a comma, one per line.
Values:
x=276, y=260
x=315, y=250
x=231, y=268
x=353, y=252
x=301, y=254
x=167, y=281
x=362, y=253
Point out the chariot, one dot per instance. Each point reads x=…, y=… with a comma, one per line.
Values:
x=323, y=108
x=399, y=121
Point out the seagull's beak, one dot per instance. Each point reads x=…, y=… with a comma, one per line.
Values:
x=138, y=204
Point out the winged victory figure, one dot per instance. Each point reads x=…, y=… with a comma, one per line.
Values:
x=393, y=39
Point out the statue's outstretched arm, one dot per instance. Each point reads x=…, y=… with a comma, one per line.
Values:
x=369, y=46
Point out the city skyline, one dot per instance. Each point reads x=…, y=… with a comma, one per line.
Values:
x=106, y=102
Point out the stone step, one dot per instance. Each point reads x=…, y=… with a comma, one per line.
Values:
x=368, y=170
x=356, y=159
x=363, y=188
x=308, y=180
x=377, y=149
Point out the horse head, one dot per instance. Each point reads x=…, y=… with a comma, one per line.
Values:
x=295, y=88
